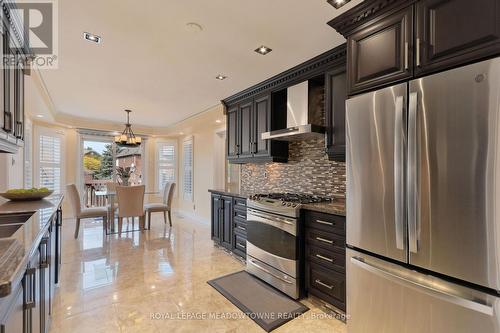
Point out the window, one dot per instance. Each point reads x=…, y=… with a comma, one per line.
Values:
x=49, y=161
x=187, y=188
x=28, y=155
x=165, y=163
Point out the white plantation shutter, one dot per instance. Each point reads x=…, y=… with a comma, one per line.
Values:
x=50, y=162
x=187, y=187
x=166, y=163
x=28, y=155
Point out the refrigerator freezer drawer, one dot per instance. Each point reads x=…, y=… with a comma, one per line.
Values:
x=384, y=297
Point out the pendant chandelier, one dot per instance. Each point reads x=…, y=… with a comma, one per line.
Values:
x=128, y=138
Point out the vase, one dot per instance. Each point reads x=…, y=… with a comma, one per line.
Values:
x=125, y=181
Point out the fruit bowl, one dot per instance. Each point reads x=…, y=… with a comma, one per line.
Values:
x=26, y=194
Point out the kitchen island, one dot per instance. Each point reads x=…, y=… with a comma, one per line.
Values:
x=30, y=256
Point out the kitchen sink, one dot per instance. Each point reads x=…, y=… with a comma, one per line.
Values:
x=14, y=218
x=8, y=230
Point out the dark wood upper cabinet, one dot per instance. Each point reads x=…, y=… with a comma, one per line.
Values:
x=261, y=121
x=19, y=98
x=247, y=121
x=382, y=47
x=336, y=94
x=7, y=114
x=455, y=32
x=381, y=53
x=246, y=137
x=232, y=133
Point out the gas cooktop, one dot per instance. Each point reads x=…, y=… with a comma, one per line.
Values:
x=284, y=203
x=292, y=197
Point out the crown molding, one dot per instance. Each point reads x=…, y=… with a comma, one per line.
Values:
x=313, y=67
x=358, y=15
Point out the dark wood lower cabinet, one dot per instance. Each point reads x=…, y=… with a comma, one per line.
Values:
x=325, y=258
x=28, y=307
x=14, y=319
x=229, y=223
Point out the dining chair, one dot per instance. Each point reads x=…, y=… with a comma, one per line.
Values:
x=84, y=213
x=165, y=206
x=130, y=204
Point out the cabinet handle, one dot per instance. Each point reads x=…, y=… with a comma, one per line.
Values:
x=324, y=258
x=323, y=284
x=324, y=240
x=406, y=55
x=417, y=55
x=325, y=222
x=30, y=288
x=44, y=252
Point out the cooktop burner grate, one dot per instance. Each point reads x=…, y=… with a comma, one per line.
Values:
x=295, y=197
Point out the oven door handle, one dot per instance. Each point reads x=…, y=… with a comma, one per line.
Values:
x=269, y=272
x=271, y=218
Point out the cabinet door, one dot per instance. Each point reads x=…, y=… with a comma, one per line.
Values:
x=13, y=322
x=216, y=217
x=12, y=89
x=34, y=303
x=246, y=133
x=7, y=115
x=19, y=99
x=52, y=261
x=232, y=132
x=261, y=124
x=44, y=282
x=227, y=221
x=455, y=32
x=336, y=94
x=380, y=53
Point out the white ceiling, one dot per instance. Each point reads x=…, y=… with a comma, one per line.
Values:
x=150, y=62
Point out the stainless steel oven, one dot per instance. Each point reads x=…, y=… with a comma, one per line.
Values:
x=272, y=250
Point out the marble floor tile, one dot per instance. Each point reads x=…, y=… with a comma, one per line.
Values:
x=154, y=281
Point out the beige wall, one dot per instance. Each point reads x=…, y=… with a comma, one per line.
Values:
x=201, y=127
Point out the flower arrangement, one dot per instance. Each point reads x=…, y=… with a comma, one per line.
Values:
x=124, y=174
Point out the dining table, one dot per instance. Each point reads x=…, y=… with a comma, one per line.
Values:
x=110, y=196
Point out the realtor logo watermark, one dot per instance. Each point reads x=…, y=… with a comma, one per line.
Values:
x=34, y=27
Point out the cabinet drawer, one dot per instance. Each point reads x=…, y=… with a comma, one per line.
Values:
x=327, y=285
x=326, y=240
x=326, y=222
x=240, y=212
x=240, y=203
x=240, y=245
x=240, y=225
x=327, y=259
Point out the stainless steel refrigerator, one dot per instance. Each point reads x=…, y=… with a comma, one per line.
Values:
x=423, y=204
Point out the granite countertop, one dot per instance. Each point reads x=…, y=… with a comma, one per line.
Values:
x=16, y=250
x=336, y=207
x=232, y=193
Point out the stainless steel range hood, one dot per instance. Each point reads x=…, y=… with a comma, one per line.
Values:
x=304, y=114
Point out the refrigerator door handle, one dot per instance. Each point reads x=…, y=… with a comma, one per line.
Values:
x=470, y=304
x=412, y=173
x=399, y=152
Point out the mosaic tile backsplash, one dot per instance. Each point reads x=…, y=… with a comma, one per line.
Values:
x=308, y=171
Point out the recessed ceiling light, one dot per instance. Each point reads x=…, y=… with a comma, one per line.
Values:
x=181, y=133
x=39, y=115
x=221, y=77
x=263, y=50
x=218, y=121
x=194, y=27
x=91, y=37
x=338, y=3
